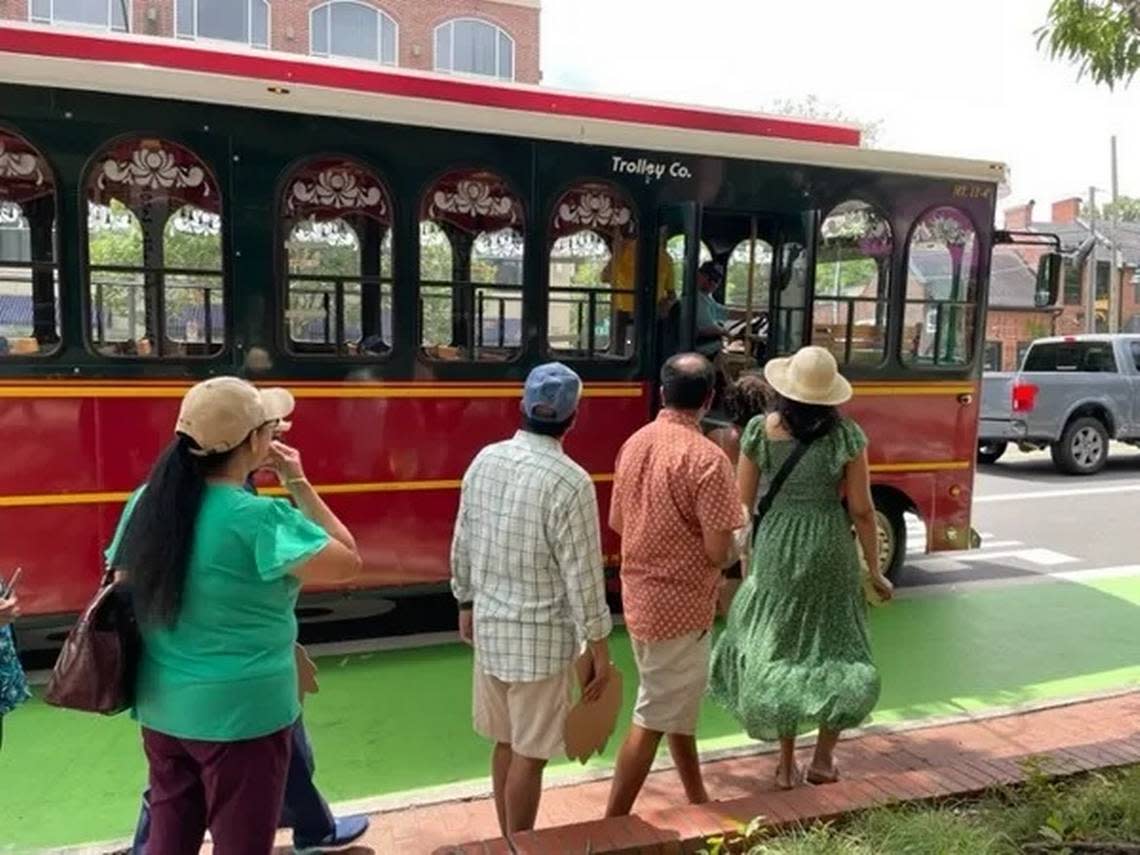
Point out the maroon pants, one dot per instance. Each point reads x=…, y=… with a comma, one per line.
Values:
x=234, y=789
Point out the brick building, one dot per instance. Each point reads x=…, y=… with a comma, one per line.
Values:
x=1013, y=322
x=492, y=38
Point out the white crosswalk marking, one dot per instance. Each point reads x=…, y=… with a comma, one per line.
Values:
x=991, y=549
x=963, y=560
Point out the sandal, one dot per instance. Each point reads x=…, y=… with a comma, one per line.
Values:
x=793, y=779
x=817, y=777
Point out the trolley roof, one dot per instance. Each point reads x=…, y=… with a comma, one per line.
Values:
x=239, y=76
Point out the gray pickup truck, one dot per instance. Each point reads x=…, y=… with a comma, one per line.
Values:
x=1072, y=395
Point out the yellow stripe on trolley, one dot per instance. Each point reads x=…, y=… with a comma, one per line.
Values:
x=118, y=498
x=885, y=390
x=932, y=466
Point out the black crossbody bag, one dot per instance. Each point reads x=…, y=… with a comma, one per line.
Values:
x=782, y=474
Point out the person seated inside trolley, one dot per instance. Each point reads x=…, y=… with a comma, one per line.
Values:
x=711, y=315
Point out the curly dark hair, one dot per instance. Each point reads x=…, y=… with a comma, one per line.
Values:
x=748, y=397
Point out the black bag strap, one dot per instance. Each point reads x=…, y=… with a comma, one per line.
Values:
x=782, y=474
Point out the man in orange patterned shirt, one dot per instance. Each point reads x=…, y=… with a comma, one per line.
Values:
x=676, y=507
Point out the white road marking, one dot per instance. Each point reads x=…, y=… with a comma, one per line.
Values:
x=1090, y=574
x=1040, y=557
x=1058, y=494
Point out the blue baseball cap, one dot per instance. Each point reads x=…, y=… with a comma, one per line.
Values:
x=551, y=394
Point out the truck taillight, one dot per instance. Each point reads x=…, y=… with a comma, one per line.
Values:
x=1024, y=397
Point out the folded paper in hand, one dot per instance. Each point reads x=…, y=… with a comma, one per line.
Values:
x=589, y=725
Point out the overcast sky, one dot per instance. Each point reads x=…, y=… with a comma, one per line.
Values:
x=962, y=77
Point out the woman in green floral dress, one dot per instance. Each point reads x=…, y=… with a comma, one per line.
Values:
x=795, y=654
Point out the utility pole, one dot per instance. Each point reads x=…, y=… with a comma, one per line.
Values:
x=1116, y=282
x=1090, y=298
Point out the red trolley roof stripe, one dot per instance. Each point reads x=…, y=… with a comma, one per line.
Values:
x=289, y=70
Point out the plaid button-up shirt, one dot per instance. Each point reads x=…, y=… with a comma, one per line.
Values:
x=527, y=552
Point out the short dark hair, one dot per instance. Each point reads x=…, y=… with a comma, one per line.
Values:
x=687, y=379
x=557, y=430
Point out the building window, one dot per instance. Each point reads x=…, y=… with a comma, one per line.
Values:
x=470, y=46
x=245, y=21
x=471, y=267
x=852, y=283
x=98, y=14
x=154, y=252
x=941, y=291
x=593, y=267
x=336, y=219
x=345, y=28
x=29, y=282
x=992, y=356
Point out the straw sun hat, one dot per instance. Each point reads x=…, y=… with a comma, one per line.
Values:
x=811, y=376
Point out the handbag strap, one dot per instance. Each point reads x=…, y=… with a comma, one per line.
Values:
x=798, y=451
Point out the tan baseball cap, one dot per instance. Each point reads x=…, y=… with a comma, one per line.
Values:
x=219, y=413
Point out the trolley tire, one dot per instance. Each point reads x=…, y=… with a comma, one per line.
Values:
x=891, y=526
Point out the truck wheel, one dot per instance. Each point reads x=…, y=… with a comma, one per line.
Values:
x=990, y=452
x=892, y=539
x=1083, y=447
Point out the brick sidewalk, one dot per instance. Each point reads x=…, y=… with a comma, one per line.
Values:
x=877, y=768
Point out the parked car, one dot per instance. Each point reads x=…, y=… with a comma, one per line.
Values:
x=1072, y=395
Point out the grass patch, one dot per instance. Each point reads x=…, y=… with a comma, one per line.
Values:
x=1092, y=813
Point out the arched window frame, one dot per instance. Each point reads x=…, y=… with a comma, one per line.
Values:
x=879, y=247
x=500, y=34
x=192, y=183
x=470, y=212
x=118, y=19
x=26, y=177
x=186, y=23
x=381, y=17
x=968, y=305
x=328, y=188
x=611, y=209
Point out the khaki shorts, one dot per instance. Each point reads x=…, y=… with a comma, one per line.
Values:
x=530, y=717
x=673, y=675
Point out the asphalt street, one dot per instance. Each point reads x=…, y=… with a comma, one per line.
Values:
x=1035, y=521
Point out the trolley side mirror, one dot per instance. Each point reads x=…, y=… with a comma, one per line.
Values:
x=1049, y=269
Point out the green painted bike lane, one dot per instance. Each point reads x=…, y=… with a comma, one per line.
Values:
x=393, y=721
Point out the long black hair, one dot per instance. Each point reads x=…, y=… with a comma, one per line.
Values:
x=806, y=422
x=156, y=544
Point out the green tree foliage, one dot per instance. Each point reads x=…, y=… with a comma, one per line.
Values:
x=1102, y=37
x=1127, y=209
x=812, y=107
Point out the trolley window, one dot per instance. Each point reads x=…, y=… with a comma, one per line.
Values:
x=471, y=263
x=593, y=273
x=336, y=219
x=154, y=252
x=852, y=284
x=941, y=290
x=29, y=276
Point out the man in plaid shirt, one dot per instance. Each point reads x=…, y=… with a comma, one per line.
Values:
x=526, y=564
